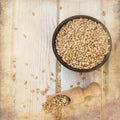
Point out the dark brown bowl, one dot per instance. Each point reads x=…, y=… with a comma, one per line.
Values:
x=60, y=59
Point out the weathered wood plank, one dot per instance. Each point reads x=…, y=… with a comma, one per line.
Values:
x=6, y=84
x=68, y=77
x=36, y=23
x=110, y=15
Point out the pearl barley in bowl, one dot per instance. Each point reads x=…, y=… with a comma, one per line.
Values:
x=82, y=43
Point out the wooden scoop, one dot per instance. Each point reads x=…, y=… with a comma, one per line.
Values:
x=77, y=94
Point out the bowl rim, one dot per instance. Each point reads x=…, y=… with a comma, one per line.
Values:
x=57, y=31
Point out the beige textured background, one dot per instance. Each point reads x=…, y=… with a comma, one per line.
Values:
x=27, y=61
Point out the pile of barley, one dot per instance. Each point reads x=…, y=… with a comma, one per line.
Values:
x=54, y=105
x=82, y=43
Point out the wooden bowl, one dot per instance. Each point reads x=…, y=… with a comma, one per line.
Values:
x=60, y=59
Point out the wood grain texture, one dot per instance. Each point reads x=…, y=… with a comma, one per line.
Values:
x=28, y=67
x=111, y=82
x=70, y=78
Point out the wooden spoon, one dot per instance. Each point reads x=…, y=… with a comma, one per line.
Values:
x=77, y=94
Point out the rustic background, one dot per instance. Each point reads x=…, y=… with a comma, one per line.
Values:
x=29, y=70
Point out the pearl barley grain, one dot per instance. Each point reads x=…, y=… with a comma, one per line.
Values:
x=54, y=105
x=82, y=43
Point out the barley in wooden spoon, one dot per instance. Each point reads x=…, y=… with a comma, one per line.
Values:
x=56, y=102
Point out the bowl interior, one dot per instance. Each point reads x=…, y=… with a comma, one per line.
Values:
x=60, y=59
